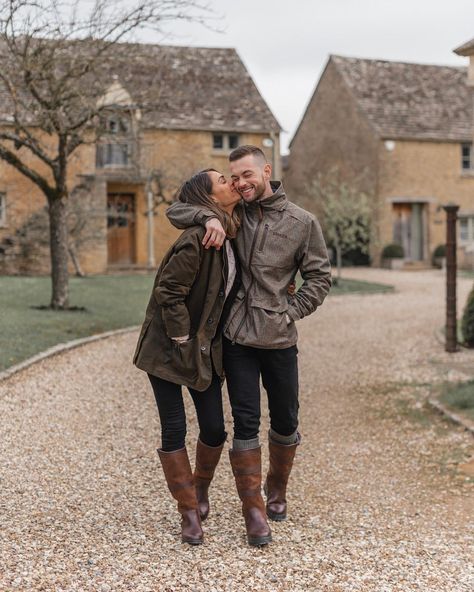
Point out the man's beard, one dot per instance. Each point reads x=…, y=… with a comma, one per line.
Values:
x=259, y=190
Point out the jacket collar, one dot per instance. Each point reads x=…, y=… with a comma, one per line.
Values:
x=278, y=201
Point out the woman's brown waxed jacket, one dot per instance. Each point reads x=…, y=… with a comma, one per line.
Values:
x=187, y=299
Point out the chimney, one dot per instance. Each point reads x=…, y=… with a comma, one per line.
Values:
x=467, y=50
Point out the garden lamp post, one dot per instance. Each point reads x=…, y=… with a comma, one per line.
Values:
x=451, y=327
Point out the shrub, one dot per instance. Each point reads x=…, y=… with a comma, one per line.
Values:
x=393, y=251
x=438, y=254
x=467, y=323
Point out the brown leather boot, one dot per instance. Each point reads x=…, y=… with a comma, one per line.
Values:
x=179, y=478
x=247, y=469
x=207, y=458
x=281, y=463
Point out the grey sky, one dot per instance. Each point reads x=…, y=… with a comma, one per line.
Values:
x=285, y=44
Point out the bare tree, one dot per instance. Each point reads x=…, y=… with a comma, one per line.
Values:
x=346, y=213
x=53, y=58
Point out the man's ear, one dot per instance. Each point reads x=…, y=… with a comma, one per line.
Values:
x=267, y=171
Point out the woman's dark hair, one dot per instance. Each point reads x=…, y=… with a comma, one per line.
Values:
x=197, y=191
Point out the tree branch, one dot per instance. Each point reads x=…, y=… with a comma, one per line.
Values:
x=12, y=159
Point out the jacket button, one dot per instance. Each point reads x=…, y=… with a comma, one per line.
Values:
x=221, y=293
x=210, y=321
x=203, y=348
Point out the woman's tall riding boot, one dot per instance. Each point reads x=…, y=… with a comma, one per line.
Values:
x=179, y=478
x=281, y=463
x=207, y=458
x=247, y=469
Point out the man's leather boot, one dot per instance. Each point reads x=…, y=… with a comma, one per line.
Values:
x=247, y=469
x=179, y=478
x=207, y=458
x=281, y=463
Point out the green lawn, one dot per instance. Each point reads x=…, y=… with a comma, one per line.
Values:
x=346, y=286
x=459, y=397
x=111, y=302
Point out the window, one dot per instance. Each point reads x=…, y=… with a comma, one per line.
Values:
x=233, y=141
x=3, y=209
x=116, y=154
x=218, y=141
x=466, y=157
x=466, y=229
x=225, y=141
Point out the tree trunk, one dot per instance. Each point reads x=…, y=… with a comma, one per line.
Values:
x=59, y=252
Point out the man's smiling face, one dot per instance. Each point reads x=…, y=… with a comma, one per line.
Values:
x=251, y=177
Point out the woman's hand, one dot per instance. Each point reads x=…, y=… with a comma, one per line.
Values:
x=215, y=234
x=181, y=339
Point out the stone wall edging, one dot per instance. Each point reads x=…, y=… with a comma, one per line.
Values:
x=63, y=347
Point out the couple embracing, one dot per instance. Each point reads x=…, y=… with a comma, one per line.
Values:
x=222, y=307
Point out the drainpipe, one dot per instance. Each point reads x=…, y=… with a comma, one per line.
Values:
x=151, y=229
x=451, y=326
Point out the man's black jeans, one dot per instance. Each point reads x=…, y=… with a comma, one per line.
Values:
x=279, y=371
x=208, y=404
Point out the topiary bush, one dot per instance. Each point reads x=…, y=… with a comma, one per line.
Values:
x=393, y=251
x=438, y=255
x=467, y=323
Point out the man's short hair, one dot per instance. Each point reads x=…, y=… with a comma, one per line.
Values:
x=247, y=150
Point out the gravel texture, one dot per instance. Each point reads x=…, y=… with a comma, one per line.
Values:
x=380, y=497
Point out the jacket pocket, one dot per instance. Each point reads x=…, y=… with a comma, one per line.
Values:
x=268, y=325
x=276, y=305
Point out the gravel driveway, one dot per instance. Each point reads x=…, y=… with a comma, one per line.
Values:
x=380, y=498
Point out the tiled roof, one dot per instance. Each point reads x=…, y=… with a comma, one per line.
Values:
x=184, y=88
x=417, y=101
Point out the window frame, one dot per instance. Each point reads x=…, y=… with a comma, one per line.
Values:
x=107, y=151
x=466, y=159
x=227, y=143
x=469, y=218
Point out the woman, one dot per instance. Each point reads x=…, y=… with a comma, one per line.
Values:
x=180, y=344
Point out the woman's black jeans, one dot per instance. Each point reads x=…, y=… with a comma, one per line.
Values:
x=208, y=405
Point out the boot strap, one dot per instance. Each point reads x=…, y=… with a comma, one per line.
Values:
x=179, y=486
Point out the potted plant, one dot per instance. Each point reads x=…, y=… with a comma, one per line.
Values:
x=439, y=257
x=392, y=256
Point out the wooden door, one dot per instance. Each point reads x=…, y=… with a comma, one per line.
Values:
x=408, y=229
x=120, y=228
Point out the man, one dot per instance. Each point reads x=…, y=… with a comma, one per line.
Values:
x=276, y=240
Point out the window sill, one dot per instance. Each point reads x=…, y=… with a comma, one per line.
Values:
x=467, y=174
x=113, y=167
x=224, y=152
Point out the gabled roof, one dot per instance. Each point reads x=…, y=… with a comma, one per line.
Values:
x=466, y=49
x=186, y=88
x=412, y=101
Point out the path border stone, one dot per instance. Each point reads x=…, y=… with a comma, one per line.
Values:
x=454, y=417
x=62, y=347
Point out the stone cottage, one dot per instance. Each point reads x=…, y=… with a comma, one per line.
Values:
x=174, y=110
x=410, y=127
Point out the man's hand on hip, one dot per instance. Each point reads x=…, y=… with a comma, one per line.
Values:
x=215, y=234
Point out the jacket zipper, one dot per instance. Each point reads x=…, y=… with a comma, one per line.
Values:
x=252, y=249
x=264, y=237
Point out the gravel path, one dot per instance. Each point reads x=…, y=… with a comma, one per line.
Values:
x=380, y=497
